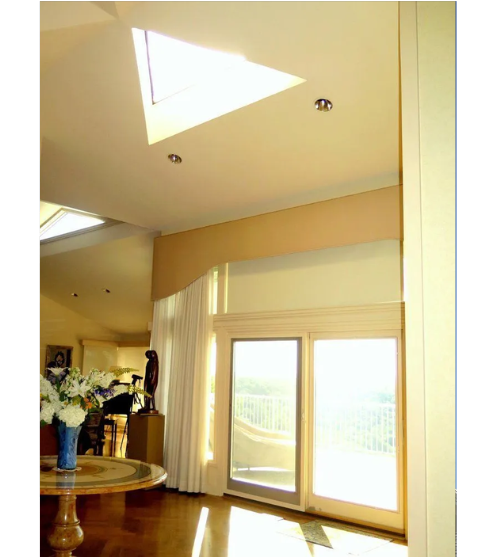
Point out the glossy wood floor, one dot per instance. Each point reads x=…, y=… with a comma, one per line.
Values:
x=162, y=523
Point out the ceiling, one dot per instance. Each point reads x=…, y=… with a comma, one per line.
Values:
x=273, y=154
x=122, y=266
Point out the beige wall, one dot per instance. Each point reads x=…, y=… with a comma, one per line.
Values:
x=181, y=258
x=427, y=35
x=133, y=357
x=343, y=276
x=61, y=326
x=99, y=357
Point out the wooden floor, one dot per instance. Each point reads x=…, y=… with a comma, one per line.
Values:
x=163, y=523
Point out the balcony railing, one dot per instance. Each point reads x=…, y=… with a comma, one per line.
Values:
x=360, y=427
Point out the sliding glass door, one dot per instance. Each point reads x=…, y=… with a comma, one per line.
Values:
x=265, y=418
x=356, y=460
x=351, y=420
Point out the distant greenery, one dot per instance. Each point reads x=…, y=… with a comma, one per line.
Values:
x=264, y=387
x=281, y=388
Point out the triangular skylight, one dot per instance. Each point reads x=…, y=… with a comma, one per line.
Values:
x=184, y=85
x=65, y=222
x=175, y=65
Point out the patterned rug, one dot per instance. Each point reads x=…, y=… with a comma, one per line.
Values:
x=332, y=535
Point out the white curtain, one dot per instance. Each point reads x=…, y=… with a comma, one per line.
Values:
x=181, y=336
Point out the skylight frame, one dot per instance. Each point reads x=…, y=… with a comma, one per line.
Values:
x=59, y=214
x=149, y=67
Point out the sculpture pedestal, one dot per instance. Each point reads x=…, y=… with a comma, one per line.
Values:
x=146, y=438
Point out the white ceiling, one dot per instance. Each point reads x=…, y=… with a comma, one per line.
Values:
x=276, y=153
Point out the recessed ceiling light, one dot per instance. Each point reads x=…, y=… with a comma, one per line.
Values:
x=106, y=290
x=174, y=158
x=74, y=294
x=323, y=105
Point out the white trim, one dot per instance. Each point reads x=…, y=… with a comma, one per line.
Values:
x=378, y=317
x=413, y=285
x=222, y=284
x=263, y=500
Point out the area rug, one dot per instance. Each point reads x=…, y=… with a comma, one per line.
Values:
x=332, y=535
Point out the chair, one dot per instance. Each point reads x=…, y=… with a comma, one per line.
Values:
x=121, y=405
x=91, y=434
x=107, y=421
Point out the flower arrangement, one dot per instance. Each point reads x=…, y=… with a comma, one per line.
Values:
x=69, y=395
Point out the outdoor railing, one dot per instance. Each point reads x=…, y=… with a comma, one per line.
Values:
x=364, y=427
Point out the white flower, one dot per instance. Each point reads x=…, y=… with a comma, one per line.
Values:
x=78, y=388
x=120, y=389
x=49, y=393
x=56, y=370
x=46, y=412
x=45, y=386
x=106, y=379
x=56, y=404
x=72, y=416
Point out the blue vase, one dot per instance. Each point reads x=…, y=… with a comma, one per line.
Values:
x=68, y=439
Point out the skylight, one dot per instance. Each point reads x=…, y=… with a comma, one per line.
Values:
x=65, y=222
x=184, y=85
x=175, y=65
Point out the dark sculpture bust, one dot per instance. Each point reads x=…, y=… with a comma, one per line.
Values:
x=151, y=381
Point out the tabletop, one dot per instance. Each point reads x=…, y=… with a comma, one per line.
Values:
x=98, y=474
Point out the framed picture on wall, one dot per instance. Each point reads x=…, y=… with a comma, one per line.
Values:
x=58, y=356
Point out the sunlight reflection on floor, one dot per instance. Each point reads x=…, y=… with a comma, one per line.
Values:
x=255, y=535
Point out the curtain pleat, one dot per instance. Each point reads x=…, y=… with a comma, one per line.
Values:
x=181, y=335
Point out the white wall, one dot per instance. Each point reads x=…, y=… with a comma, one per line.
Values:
x=351, y=275
x=427, y=36
x=99, y=357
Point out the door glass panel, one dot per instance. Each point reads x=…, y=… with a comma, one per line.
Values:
x=264, y=404
x=355, y=421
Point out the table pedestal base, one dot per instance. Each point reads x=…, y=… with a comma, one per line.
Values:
x=66, y=533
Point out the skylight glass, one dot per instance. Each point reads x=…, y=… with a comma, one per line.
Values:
x=175, y=65
x=64, y=222
x=184, y=85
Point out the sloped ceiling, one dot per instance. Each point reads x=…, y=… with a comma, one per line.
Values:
x=274, y=154
x=123, y=266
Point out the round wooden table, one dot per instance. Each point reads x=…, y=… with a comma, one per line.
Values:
x=95, y=475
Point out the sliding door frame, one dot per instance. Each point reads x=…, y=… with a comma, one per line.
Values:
x=379, y=318
x=255, y=490
x=365, y=514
